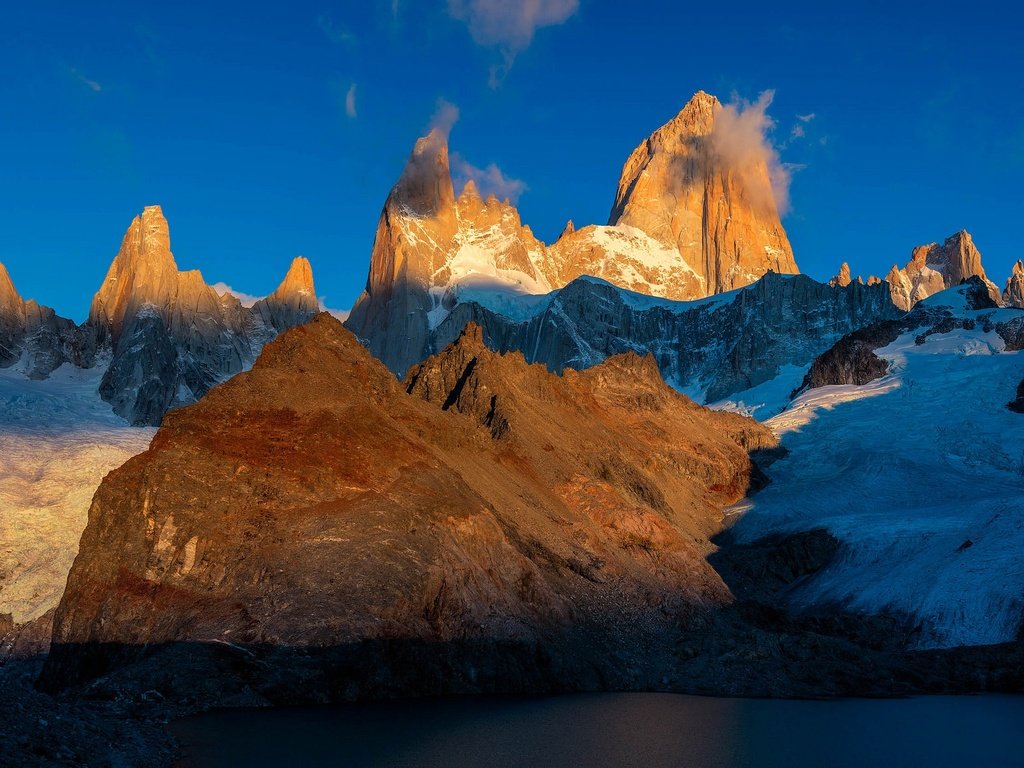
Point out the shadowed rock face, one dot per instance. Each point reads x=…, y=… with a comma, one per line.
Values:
x=719, y=347
x=36, y=337
x=315, y=503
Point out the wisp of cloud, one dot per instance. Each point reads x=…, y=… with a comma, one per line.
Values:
x=509, y=25
x=740, y=139
x=490, y=180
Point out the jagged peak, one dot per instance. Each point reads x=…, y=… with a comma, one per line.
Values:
x=469, y=191
x=1018, y=267
x=568, y=230
x=298, y=279
x=425, y=186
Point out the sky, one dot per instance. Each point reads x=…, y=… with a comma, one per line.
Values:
x=270, y=130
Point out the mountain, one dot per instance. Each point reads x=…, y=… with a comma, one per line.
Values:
x=712, y=348
x=933, y=268
x=686, y=224
x=1013, y=294
x=163, y=337
x=427, y=242
x=353, y=535
x=680, y=188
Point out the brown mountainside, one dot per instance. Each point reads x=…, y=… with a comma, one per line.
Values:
x=482, y=503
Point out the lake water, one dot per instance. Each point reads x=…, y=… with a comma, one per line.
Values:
x=616, y=729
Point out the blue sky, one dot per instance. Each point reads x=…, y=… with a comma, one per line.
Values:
x=236, y=118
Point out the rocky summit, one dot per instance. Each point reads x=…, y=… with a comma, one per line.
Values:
x=687, y=222
x=450, y=533
x=934, y=268
x=721, y=216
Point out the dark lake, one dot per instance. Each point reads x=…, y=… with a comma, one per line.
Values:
x=616, y=729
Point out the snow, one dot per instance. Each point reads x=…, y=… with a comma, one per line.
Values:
x=57, y=441
x=905, y=471
x=766, y=399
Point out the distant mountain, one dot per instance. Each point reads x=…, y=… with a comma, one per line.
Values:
x=163, y=336
x=1013, y=294
x=685, y=225
x=933, y=268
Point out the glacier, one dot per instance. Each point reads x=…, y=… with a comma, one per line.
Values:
x=920, y=475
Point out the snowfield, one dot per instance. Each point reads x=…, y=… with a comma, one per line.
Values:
x=57, y=441
x=920, y=474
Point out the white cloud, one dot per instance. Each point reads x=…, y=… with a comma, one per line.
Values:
x=806, y=118
x=444, y=117
x=92, y=85
x=350, y=101
x=247, y=299
x=740, y=138
x=798, y=132
x=489, y=180
x=509, y=25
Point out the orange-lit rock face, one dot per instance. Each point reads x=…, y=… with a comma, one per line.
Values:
x=316, y=501
x=722, y=220
x=171, y=336
x=686, y=224
x=933, y=268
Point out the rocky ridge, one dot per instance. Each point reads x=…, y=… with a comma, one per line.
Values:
x=711, y=348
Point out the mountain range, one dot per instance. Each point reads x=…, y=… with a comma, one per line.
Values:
x=649, y=455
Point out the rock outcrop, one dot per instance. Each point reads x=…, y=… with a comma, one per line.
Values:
x=933, y=268
x=355, y=536
x=843, y=278
x=686, y=224
x=1013, y=294
x=171, y=337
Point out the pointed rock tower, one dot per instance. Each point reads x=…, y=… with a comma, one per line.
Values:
x=1013, y=295
x=679, y=189
x=293, y=302
x=427, y=245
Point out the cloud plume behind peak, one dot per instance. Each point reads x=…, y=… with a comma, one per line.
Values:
x=741, y=140
x=490, y=180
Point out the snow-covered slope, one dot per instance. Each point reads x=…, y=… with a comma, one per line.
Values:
x=920, y=474
x=57, y=441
